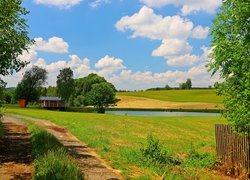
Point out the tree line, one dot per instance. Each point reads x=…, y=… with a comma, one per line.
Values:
x=91, y=90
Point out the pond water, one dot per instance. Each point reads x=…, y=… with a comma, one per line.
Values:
x=160, y=113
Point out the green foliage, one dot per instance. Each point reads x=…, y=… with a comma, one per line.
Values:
x=65, y=83
x=183, y=86
x=82, y=87
x=155, y=152
x=189, y=83
x=51, y=159
x=231, y=58
x=30, y=86
x=167, y=87
x=51, y=91
x=186, y=85
x=101, y=96
x=14, y=38
x=56, y=165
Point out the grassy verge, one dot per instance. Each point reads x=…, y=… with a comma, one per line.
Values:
x=2, y=110
x=51, y=160
x=119, y=140
x=1, y=129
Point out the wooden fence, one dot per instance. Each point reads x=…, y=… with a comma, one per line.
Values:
x=232, y=146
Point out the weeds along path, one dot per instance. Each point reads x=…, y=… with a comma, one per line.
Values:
x=93, y=167
x=15, y=151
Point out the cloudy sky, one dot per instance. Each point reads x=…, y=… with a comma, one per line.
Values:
x=135, y=44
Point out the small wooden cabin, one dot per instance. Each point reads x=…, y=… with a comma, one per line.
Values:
x=52, y=103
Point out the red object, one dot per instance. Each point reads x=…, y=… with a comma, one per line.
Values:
x=22, y=103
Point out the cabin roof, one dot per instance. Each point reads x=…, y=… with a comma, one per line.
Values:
x=43, y=98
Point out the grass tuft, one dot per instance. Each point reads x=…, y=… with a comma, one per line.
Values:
x=42, y=141
x=51, y=159
x=56, y=164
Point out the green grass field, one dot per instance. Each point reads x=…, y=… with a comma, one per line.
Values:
x=194, y=95
x=118, y=139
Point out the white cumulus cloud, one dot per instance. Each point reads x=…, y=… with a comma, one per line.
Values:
x=184, y=60
x=172, y=47
x=187, y=6
x=53, y=45
x=97, y=3
x=147, y=24
x=62, y=4
x=200, y=32
x=109, y=65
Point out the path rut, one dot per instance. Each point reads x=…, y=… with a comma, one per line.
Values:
x=15, y=151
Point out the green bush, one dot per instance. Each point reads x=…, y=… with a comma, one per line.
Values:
x=155, y=152
x=56, y=165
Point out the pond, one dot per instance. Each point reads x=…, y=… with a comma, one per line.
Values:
x=161, y=113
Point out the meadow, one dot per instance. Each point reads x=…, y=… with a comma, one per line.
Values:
x=120, y=140
x=193, y=95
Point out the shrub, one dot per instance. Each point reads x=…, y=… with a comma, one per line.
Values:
x=56, y=165
x=155, y=152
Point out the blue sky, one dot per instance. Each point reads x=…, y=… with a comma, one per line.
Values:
x=135, y=44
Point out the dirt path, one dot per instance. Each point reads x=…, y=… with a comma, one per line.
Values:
x=93, y=167
x=15, y=151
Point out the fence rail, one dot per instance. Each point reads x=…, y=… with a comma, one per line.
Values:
x=232, y=145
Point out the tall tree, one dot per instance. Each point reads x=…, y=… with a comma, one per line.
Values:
x=14, y=38
x=231, y=58
x=82, y=87
x=188, y=83
x=30, y=86
x=101, y=96
x=65, y=83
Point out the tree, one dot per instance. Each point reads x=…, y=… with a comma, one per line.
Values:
x=188, y=83
x=51, y=91
x=167, y=87
x=82, y=87
x=101, y=96
x=65, y=83
x=14, y=38
x=231, y=58
x=2, y=86
x=183, y=86
x=30, y=86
